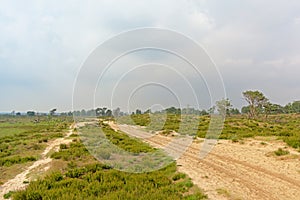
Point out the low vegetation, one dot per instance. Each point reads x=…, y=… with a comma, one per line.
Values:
x=281, y=152
x=83, y=177
x=23, y=138
x=98, y=181
x=236, y=127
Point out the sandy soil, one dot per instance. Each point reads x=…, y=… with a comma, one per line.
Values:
x=247, y=170
x=17, y=182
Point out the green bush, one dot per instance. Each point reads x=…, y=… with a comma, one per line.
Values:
x=16, y=160
x=8, y=195
x=178, y=176
x=281, y=152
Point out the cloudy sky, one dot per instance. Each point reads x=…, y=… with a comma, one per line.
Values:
x=254, y=43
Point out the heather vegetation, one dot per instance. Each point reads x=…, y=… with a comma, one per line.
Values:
x=98, y=181
x=83, y=177
x=22, y=139
x=236, y=127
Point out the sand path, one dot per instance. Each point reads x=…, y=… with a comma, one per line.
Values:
x=236, y=170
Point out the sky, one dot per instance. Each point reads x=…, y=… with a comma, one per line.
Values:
x=44, y=44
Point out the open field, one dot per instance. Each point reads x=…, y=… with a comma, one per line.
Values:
x=64, y=169
x=23, y=139
x=254, y=159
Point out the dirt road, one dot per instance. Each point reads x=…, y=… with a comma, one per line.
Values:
x=17, y=183
x=247, y=170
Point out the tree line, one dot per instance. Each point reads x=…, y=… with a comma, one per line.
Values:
x=258, y=104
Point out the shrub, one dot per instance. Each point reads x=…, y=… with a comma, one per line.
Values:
x=16, y=160
x=63, y=146
x=178, y=176
x=281, y=152
x=8, y=195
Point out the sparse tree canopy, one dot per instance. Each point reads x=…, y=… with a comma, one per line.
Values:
x=256, y=101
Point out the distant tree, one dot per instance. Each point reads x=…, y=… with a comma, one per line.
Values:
x=91, y=113
x=293, y=107
x=203, y=112
x=18, y=113
x=234, y=111
x=30, y=113
x=82, y=112
x=271, y=108
x=108, y=113
x=52, y=112
x=173, y=110
x=138, y=112
x=256, y=101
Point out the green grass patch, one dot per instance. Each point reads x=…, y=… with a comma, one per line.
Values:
x=281, y=152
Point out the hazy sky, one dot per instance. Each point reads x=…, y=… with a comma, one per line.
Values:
x=254, y=43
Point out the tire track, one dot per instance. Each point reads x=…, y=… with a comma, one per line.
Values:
x=231, y=167
x=220, y=169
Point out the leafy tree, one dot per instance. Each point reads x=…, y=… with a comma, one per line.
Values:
x=270, y=108
x=173, y=110
x=245, y=109
x=234, y=111
x=256, y=101
x=292, y=107
x=138, y=112
x=30, y=113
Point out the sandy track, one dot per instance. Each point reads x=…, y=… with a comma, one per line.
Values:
x=17, y=182
x=238, y=171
